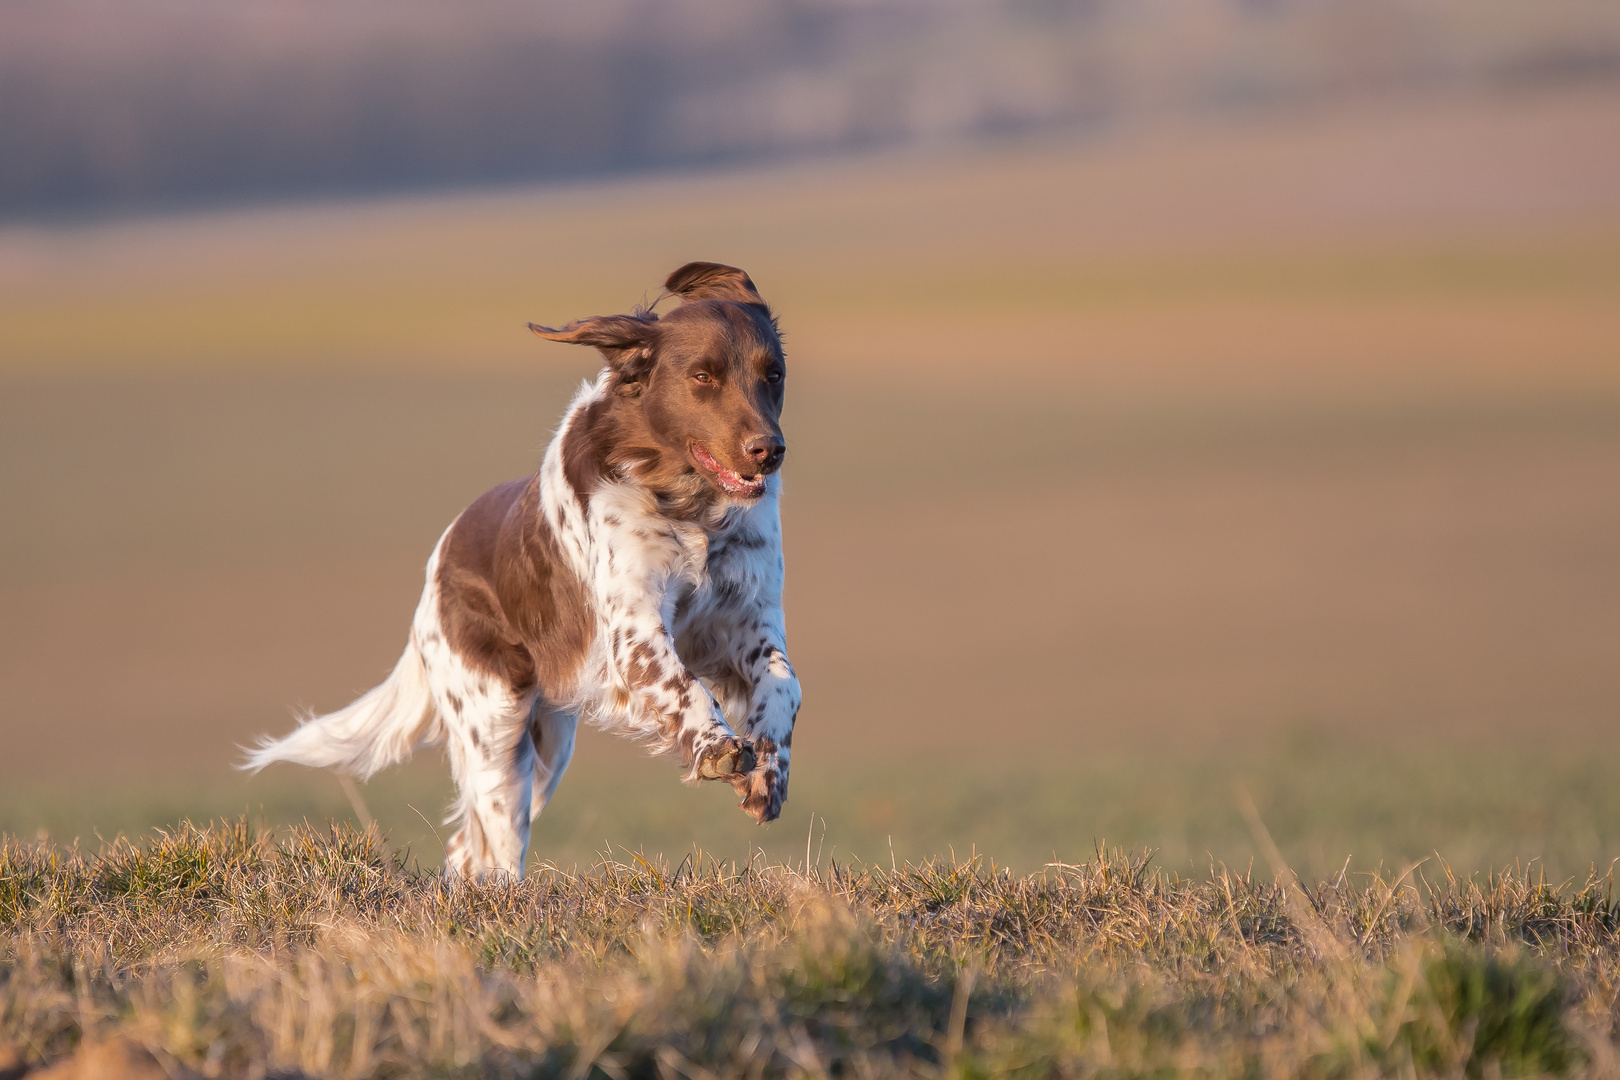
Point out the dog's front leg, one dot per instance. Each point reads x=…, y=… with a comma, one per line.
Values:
x=683, y=710
x=773, y=707
x=639, y=562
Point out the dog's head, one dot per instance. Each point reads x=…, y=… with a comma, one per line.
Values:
x=696, y=392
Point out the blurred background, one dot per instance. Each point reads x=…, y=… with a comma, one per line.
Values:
x=1192, y=402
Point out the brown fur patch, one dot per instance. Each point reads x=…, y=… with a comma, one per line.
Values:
x=507, y=602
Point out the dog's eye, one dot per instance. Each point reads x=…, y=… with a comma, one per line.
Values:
x=773, y=376
x=703, y=377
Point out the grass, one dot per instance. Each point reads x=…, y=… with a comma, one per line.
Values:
x=317, y=952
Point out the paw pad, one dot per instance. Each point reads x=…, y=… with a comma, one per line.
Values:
x=728, y=757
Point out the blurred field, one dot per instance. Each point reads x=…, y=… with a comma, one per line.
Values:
x=1122, y=473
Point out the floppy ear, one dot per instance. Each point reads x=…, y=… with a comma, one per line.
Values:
x=626, y=341
x=713, y=281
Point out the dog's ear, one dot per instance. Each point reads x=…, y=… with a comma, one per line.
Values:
x=713, y=281
x=626, y=341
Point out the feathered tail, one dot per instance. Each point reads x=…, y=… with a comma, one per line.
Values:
x=381, y=728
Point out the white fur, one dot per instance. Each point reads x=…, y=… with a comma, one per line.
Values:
x=380, y=728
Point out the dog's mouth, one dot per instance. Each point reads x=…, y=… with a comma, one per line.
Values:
x=731, y=481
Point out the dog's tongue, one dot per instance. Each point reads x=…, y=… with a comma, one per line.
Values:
x=730, y=479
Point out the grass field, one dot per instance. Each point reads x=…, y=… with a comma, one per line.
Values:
x=235, y=953
x=1126, y=477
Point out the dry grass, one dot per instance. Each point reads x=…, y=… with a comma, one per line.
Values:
x=239, y=953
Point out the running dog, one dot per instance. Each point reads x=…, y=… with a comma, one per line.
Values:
x=635, y=581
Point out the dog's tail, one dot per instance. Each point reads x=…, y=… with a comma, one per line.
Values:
x=381, y=728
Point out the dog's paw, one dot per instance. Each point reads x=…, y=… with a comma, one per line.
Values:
x=724, y=759
x=763, y=790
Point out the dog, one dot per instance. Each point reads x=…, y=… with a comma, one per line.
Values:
x=635, y=581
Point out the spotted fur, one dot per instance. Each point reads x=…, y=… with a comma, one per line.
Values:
x=634, y=582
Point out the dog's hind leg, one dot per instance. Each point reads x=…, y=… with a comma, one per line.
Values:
x=486, y=736
x=553, y=735
x=492, y=760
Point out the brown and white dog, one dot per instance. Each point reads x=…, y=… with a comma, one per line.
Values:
x=635, y=581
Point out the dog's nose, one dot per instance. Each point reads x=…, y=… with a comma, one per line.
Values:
x=765, y=450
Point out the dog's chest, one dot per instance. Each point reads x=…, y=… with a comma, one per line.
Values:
x=713, y=580
x=689, y=571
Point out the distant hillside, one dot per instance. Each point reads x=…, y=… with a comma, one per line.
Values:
x=118, y=102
